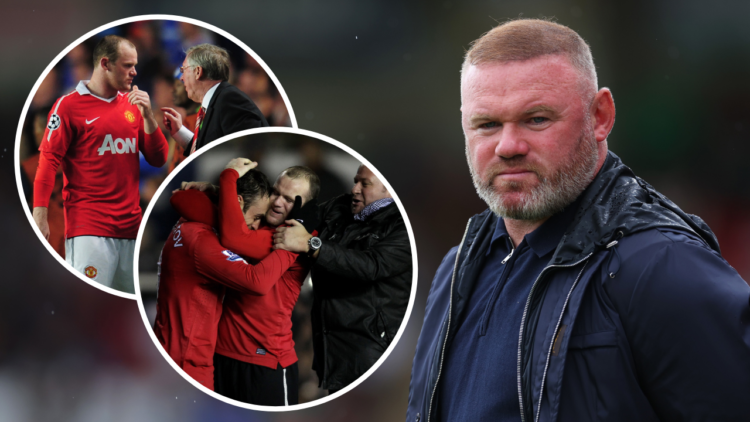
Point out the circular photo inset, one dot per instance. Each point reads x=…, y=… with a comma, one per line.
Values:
x=276, y=270
x=117, y=111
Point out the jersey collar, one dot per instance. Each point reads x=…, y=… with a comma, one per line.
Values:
x=84, y=90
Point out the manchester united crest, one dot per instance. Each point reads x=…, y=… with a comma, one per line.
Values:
x=90, y=271
x=129, y=116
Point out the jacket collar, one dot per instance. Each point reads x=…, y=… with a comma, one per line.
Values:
x=209, y=95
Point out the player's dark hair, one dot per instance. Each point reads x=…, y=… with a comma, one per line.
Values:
x=312, y=178
x=214, y=61
x=252, y=186
x=108, y=47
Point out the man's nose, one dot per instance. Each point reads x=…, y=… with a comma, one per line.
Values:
x=255, y=225
x=511, y=142
x=357, y=188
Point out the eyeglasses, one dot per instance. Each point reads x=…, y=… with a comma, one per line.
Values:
x=184, y=68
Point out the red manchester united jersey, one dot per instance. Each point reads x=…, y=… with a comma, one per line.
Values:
x=98, y=142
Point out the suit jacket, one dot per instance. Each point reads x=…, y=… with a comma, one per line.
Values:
x=229, y=111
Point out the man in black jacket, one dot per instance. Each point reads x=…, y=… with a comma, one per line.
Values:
x=581, y=294
x=224, y=108
x=362, y=278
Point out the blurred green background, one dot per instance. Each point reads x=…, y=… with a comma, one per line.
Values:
x=383, y=78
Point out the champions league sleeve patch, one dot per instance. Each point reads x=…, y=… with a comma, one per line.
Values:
x=233, y=257
x=54, y=122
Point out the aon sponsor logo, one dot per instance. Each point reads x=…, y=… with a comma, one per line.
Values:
x=117, y=146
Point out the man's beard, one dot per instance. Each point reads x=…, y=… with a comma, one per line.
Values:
x=553, y=193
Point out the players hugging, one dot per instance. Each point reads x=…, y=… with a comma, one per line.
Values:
x=232, y=269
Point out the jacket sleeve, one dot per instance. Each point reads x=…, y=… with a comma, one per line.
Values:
x=219, y=264
x=238, y=112
x=688, y=322
x=254, y=244
x=387, y=258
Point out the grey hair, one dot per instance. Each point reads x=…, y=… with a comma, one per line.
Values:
x=214, y=61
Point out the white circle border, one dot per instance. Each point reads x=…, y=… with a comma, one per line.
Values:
x=55, y=61
x=362, y=377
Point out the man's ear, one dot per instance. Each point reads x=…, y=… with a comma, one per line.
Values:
x=604, y=114
x=198, y=72
x=104, y=62
x=242, y=202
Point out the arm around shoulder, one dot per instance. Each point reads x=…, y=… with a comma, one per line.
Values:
x=219, y=264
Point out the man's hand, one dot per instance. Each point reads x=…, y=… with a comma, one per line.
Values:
x=293, y=238
x=40, y=218
x=242, y=165
x=142, y=100
x=307, y=215
x=200, y=186
x=172, y=120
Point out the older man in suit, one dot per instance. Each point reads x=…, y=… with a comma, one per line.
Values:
x=224, y=108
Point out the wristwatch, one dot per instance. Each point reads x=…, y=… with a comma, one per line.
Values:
x=314, y=243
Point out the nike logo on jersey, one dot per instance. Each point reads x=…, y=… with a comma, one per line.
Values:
x=117, y=146
x=88, y=122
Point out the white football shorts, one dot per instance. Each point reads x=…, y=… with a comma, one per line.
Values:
x=106, y=260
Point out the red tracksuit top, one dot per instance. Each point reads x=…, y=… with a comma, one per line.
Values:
x=98, y=141
x=193, y=270
x=253, y=329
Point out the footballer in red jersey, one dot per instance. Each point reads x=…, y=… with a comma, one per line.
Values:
x=96, y=132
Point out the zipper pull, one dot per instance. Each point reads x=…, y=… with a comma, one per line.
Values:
x=508, y=257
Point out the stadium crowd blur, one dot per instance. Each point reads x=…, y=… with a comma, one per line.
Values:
x=274, y=153
x=161, y=47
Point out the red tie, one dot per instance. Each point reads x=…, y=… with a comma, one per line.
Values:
x=198, y=121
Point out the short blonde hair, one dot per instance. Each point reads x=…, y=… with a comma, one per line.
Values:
x=524, y=39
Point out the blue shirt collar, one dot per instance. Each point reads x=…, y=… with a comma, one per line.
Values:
x=545, y=238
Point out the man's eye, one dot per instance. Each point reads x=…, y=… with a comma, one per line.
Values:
x=538, y=120
x=489, y=125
